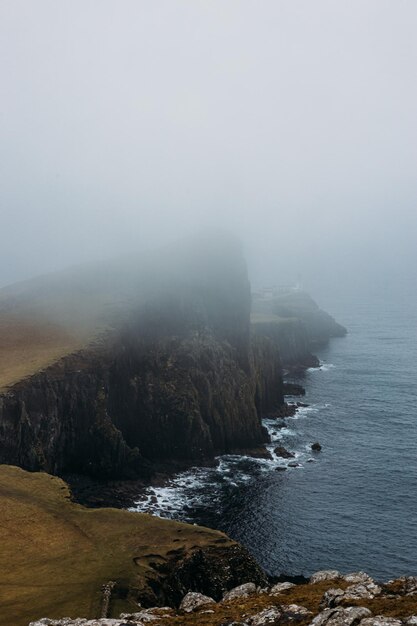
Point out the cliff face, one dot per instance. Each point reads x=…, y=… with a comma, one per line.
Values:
x=289, y=338
x=178, y=380
x=296, y=325
x=319, y=325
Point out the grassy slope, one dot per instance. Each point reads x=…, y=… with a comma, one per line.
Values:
x=29, y=346
x=55, y=555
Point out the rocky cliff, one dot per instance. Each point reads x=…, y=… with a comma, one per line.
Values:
x=174, y=377
x=295, y=324
x=328, y=599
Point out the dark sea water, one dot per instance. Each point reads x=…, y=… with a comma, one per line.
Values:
x=355, y=505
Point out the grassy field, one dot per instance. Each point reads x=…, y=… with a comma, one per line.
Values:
x=29, y=346
x=56, y=555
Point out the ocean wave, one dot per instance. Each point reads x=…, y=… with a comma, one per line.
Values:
x=202, y=488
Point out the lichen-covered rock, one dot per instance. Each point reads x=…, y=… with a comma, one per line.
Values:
x=269, y=616
x=242, y=591
x=326, y=574
x=193, y=601
x=358, y=577
x=405, y=585
x=295, y=612
x=366, y=591
x=331, y=598
x=279, y=587
x=339, y=616
x=380, y=620
x=361, y=591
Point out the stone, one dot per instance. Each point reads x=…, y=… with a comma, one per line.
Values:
x=357, y=577
x=411, y=621
x=243, y=591
x=284, y=453
x=270, y=616
x=325, y=574
x=381, y=620
x=351, y=616
x=193, y=601
x=361, y=591
x=293, y=464
x=366, y=591
x=157, y=610
x=279, y=587
x=316, y=446
x=294, y=611
x=331, y=598
x=403, y=586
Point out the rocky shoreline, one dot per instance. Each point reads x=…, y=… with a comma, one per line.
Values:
x=329, y=598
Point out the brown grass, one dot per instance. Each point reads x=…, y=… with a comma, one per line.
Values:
x=55, y=555
x=29, y=346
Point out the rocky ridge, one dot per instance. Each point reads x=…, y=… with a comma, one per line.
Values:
x=328, y=599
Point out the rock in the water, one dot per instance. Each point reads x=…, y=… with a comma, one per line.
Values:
x=269, y=616
x=316, y=446
x=293, y=464
x=284, y=453
x=325, y=574
x=350, y=616
x=193, y=601
x=242, y=591
x=281, y=587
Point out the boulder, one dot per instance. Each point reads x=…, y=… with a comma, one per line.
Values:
x=366, y=591
x=404, y=586
x=193, y=601
x=325, y=574
x=357, y=577
x=351, y=616
x=284, y=453
x=381, y=620
x=331, y=598
x=316, y=446
x=294, y=612
x=361, y=591
x=242, y=591
x=279, y=587
x=270, y=616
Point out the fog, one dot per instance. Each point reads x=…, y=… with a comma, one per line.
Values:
x=289, y=123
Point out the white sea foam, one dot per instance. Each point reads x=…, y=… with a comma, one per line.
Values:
x=203, y=488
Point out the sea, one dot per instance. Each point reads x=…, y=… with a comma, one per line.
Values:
x=353, y=505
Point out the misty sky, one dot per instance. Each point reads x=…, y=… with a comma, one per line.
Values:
x=125, y=123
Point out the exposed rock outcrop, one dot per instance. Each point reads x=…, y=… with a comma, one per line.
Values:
x=247, y=605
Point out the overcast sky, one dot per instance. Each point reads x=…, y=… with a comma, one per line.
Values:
x=125, y=123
